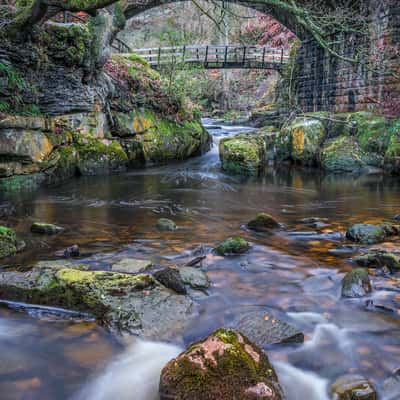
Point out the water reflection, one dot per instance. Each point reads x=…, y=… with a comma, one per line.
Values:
x=294, y=273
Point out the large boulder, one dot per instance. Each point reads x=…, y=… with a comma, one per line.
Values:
x=306, y=136
x=150, y=139
x=371, y=233
x=342, y=154
x=224, y=366
x=99, y=157
x=8, y=242
x=243, y=154
x=137, y=304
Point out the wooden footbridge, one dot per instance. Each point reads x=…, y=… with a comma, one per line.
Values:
x=208, y=56
x=216, y=57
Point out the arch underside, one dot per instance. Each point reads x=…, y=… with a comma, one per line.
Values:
x=135, y=7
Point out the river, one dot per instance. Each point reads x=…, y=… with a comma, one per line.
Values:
x=294, y=273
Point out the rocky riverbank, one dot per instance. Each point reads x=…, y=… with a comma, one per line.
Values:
x=356, y=143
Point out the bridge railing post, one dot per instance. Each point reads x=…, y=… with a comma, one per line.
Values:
x=225, y=55
x=244, y=55
x=206, y=59
x=282, y=55
x=263, y=57
x=183, y=54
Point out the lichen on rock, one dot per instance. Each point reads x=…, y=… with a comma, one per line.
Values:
x=224, y=366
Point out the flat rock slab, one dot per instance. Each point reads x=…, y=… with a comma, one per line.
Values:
x=264, y=329
x=196, y=278
x=131, y=266
x=135, y=304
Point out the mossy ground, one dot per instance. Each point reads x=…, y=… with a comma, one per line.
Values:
x=8, y=242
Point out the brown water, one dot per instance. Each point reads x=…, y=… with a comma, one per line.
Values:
x=294, y=273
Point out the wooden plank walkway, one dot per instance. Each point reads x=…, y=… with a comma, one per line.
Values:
x=205, y=56
x=211, y=57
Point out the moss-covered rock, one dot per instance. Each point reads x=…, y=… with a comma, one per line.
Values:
x=8, y=242
x=342, y=154
x=306, y=136
x=233, y=245
x=157, y=140
x=99, y=157
x=379, y=259
x=392, y=154
x=125, y=302
x=356, y=283
x=224, y=366
x=370, y=233
x=263, y=222
x=165, y=224
x=243, y=154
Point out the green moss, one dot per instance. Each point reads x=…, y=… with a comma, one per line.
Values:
x=8, y=242
x=233, y=245
x=96, y=156
x=263, y=222
x=243, y=154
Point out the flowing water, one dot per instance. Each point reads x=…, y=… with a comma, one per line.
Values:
x=294, y=273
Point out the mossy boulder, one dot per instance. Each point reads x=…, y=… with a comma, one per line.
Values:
x=356, y=283
x=8, y=242
x=165, y=224
x=99, y=156
x=342, y=154
x=137, y=304
x=243, y=154
x=371, y=233
x=45, y=228
x=379, y=259
x=263, y=222
x=232, y=246
x=306, y=137
x=224, y=366
x=157, y=140
x=353, y=387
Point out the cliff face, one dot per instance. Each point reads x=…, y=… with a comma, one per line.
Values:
x=66, y=111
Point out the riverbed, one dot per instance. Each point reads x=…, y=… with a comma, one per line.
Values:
x=294, y=274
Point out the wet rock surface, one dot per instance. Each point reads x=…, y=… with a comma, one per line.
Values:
x=131, y=266
x=194, y=277
x=379, y=259
x=224, y=366
x=137, y=304
x=45, y=228
x=264, y=329
x=171, y=278
x=370, y=233
x=356, y=283
x=165, y=224
x=353, y=387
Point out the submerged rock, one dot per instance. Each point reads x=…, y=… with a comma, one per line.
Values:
x=353, y=387
x=370, y=233
x=8, y=242
x=46, y=229
x=264, y=329
x=131, y=266
x=242, y=154
x=165, y=224
x=171, y=278
x=379, y=259
x=72, y=251
x=233, y=245
x=137, y=304
x=263, y=222
x=194, y=277
x=224, y=366
x=356, y=283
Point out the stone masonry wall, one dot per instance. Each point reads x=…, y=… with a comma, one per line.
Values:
x=325, y=82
